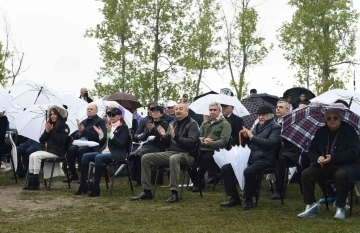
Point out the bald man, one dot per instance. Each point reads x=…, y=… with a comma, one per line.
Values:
x=86, y=131
x=85, y=95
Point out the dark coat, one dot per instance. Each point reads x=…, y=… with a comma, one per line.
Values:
x=119, y=144
x=142, y=126
x=3, y=128
x=89, y=132
x=236, y=125
x=291, y=151
x=87, y=99
x=56, y=139
x=346, y=152
x=265, y=143
x=154, y=132
x=186, y=138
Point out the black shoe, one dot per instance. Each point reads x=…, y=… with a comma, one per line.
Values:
x=71, y=178
x=232, y=202
x=277, y=196
x=173, y=198
x=142, y=196
x=35, y=183
x=248, y=205
x=95, y=191
x=83, y=189
x=29, y=182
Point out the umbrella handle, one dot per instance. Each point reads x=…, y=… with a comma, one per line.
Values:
x=240, y=139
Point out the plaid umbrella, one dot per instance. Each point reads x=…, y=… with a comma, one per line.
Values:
x=300, y=126
x=252, y=104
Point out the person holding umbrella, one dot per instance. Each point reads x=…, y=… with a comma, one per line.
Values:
x=53, y=142
x=334, y=152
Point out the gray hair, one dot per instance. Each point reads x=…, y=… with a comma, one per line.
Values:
x=216, y=104
x=287, y=105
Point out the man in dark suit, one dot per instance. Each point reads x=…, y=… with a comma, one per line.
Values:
x=236, y=123
x=85, y=95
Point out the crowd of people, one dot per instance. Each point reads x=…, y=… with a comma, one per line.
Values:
x=173, y=136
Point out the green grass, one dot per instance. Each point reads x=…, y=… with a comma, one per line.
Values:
x=59, y=210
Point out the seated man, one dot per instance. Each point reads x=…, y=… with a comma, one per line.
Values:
x=182, y=140
x=290, y=153
x=214, y=134
x=24, y=150
x=334, y=153
x=264, y=141
x=86, y=130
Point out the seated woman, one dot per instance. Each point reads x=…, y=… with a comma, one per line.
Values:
x=151, y=146
x=53, y=142
x=334, y=153
x=264, y=142
x=118, y=140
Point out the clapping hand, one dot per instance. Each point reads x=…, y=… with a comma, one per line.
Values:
x=98, y=130
x=80, y=126
x=172, y=131
x=161, y=131
x=48, y=127
x=246, y=133
x=150, y=126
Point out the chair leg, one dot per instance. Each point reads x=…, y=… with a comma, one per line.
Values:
x=182, y=183
x=351, y=203
x=112, y=184
x=156, y=179
x=51, y=176
x=259, y=183
x=326, y=200
x=42, y=172
x=106, y=174
x=66, y=172
x=26, y=179
x=91, y=170
x=13, y=167
x=285, y=184
x=129, y=178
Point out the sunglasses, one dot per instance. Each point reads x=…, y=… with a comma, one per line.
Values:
x=332, y=118
x=111, y=114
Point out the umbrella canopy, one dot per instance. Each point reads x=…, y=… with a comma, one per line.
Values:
x=295, y=93
x=73, y=104
x=271, y=99
x=103, y=106
x=300, y=126
x=26, y=93
x=5, y=101
x=351, y=97
x=207, y=93
x=12, y=114
x=31, y=122
x=201, y=106
x=124, y=99
x=252, y=104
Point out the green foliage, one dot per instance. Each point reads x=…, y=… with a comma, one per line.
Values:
x=4, y=72
x=245, y=48
x=199, y=49
x=320, y=38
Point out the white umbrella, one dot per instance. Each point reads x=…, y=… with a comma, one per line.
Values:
x=201, y=105
x=349, y=96
x=5, y=100
x=73, y=103
x=241, y=158
x=103, y=106
x=12, y=114
x=26, y=93
x=31, y=123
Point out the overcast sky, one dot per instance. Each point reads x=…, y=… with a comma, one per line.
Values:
x=51, y=34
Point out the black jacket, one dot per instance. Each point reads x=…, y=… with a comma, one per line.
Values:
x=291, y=151
x=236, y=125
x=186, y=138
x=143, y=122
x=119, y=144
x=154, y=132
x=87, y=99
x=3, y=126
x=346, y=151
x=56, y=140
x=89, y=132
x=265, y=143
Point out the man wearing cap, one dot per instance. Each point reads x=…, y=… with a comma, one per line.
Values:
x=86, y=131
x=171, y=108
x=181, y=140
x=264, y=142
x=236, y=123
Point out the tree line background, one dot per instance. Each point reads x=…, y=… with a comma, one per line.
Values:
x=159, y=49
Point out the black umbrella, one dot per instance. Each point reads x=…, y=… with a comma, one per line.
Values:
x=252, y=104
x=295, y=93
x=271, y=99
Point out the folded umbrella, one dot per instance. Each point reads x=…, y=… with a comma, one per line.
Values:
x=240, y=163
x=201, y=105
x=300, y=126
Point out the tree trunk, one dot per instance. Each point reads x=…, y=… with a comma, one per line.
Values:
x=156, y=54
x=123, y=62
x=326, y=63
x=230, y=65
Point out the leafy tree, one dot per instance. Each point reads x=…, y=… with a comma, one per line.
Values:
x=244, y=47
x=200, y=53
x=319, y=39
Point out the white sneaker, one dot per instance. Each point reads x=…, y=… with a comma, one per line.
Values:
x=311, y=211
x=340, y=213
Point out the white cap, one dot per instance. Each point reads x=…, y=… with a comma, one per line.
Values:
x=171, y=103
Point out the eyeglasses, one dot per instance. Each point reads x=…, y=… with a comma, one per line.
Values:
x=332, y=118
x=111, y=114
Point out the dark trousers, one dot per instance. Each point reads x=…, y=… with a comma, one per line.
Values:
x=315, y=174
x=281, y=167
x=24, y=151
x=74, y=153
x=250, y=174
x=207, y=164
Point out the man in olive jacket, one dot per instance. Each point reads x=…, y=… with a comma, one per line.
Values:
x=214, y=134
